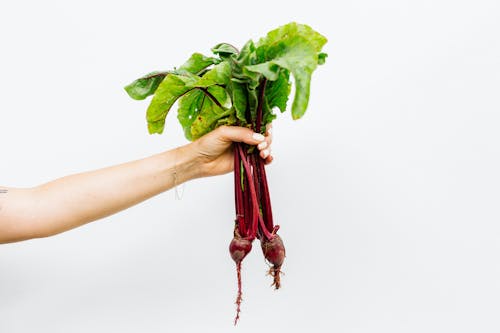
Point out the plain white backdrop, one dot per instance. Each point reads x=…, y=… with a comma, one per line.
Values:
x=387, y=191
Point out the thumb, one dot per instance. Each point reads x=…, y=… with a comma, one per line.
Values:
x=239, y=134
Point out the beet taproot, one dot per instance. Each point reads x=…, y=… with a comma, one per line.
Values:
x=274, y=252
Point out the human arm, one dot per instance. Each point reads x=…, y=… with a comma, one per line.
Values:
x=74, y=200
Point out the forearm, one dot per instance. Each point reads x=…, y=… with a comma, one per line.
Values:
x=74, y=200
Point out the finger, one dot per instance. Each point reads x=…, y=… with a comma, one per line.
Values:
x=262, y=145
x=269, y=140
x=239, y=134
x=269, y=134
x=265, y=153
x=268, y=160
x=269, y=129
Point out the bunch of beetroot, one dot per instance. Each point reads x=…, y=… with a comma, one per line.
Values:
x=254, y=216
x=244, y=88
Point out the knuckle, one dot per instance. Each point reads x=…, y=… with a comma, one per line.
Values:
x=223, y=130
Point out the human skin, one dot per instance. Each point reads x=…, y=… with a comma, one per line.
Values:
x=74, y=200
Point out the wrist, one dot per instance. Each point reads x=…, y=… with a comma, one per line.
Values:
x=186, y=164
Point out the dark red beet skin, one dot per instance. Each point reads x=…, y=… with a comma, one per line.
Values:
x=239, y=248
x=274, y=252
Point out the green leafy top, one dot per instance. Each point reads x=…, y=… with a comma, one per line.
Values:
x=235, y=87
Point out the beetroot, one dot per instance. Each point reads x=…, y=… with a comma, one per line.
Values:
x=254, y=217
x=274, y=252
x=239, y=248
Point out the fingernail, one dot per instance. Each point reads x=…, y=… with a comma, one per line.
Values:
x=270, y=130
x=265, y=153
x=258, y=137
x=262, y=145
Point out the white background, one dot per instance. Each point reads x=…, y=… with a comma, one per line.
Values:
x=387, y=191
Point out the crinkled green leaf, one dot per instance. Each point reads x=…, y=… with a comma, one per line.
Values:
x=294, y=47
x=251, y=78
x=224, y=94
x=277, y=91
x=156, y=126
x=291, y=30
x=209, y=112
x=173, y=87
x=299, y=57
x=247, y=55
x=224, y=49
x=189, y=107
x=200, y=111
x=240, y=101
x=145, y=86
x=219, y=75
x=253, y=101
x=276, y=96
x=197, y=62
x=269, y=69
x=268, y=115
x=228, y=120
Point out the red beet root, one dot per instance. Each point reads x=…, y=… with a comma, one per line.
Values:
x=239, y=248
x=274, y=252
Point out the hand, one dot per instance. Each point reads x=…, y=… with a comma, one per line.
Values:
x=215, y=149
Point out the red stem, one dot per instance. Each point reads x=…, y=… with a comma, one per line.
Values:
x=251, y=217
x=263, y=188
x=240, y=217
x=258, y=191
x=266, y=198
x=257, y=218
